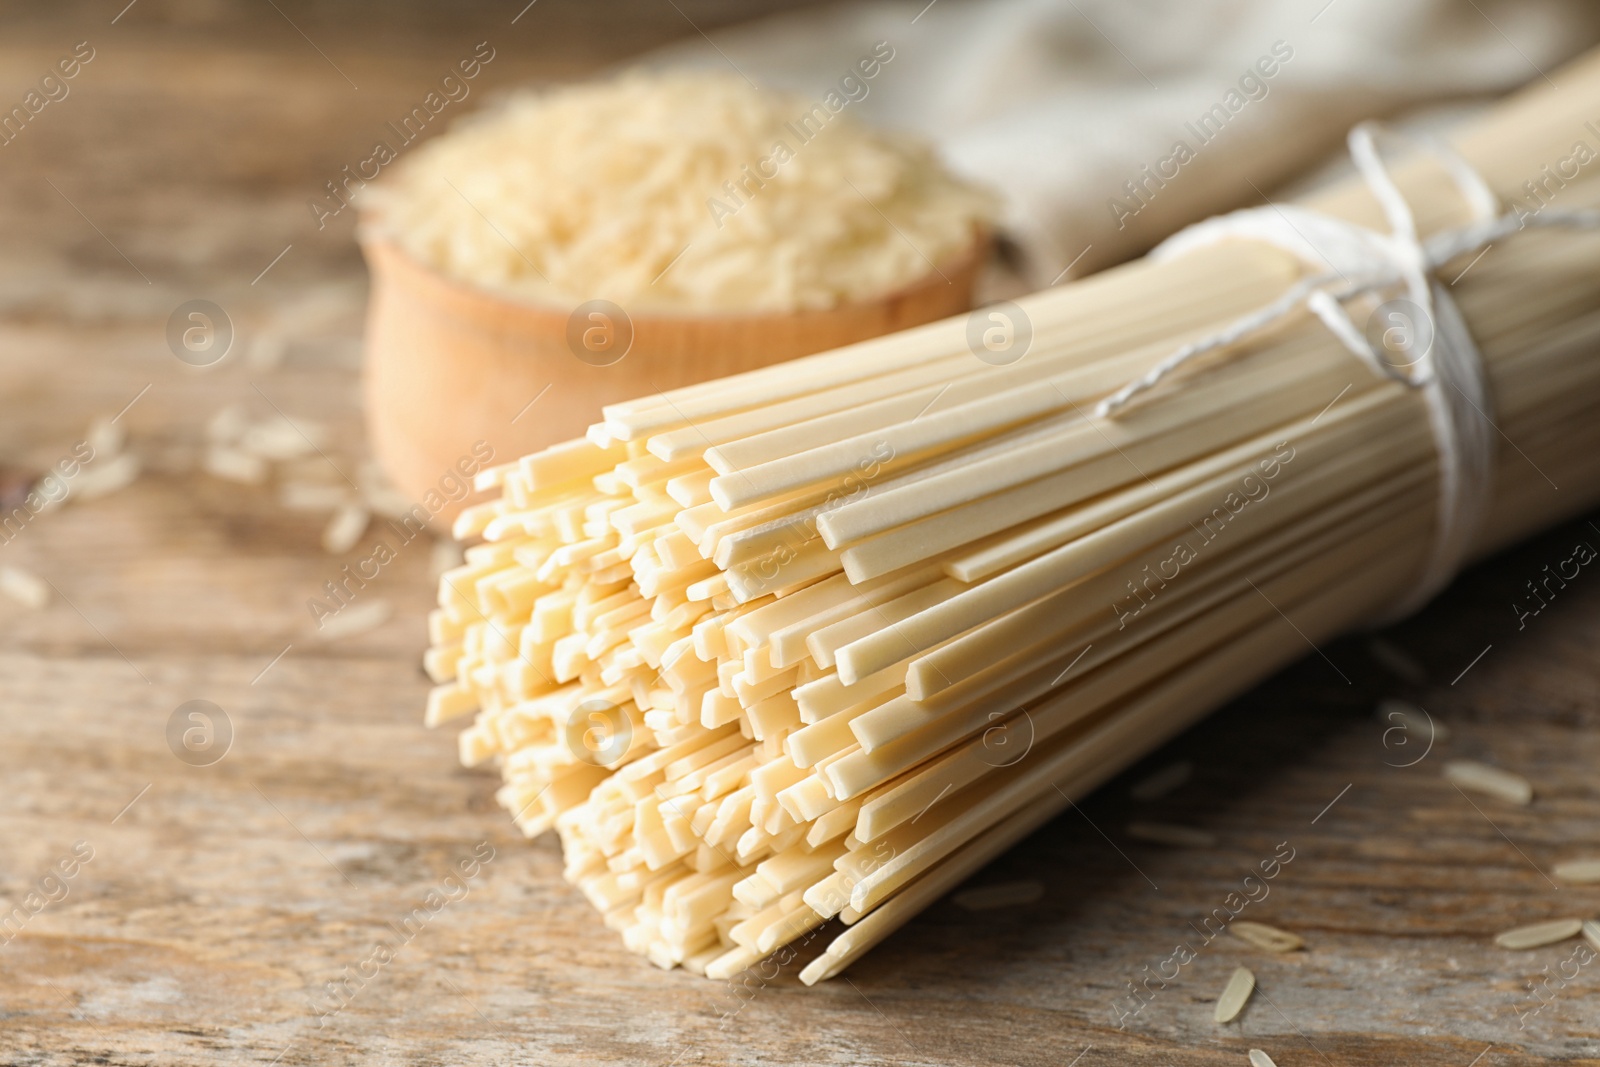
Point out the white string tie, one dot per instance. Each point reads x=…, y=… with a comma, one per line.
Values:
x=1362, y=262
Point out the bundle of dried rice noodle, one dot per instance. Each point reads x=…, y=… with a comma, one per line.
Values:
x=820, y=640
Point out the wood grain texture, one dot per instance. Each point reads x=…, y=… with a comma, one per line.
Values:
x=219, y=903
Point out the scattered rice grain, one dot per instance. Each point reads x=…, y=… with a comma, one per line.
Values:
x=1392, y=712
x=387, y=501
x=1260, y=1059
x=1581, y=872
x=1163, y=781
x=234, y=465
x=102, y=479
x=280, y=439
x=1470, y=774
x=105, y=437
x=1397, y=660
x=227, y=425
x=1234, y=995
x=1537, y=935
x=1265, y=937
x=1165, y=833
x=1591, y=933
x=1001, y=895
x=23, y=586
x=355, y=619
x=345, y=529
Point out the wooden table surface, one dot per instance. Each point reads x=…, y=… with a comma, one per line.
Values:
x=219, y=900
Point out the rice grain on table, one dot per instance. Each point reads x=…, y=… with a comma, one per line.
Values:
x=226, y=462
x=1265, y=937
x=280, y=439
x=355, y=619
x=1492, y=781
x=1591, y=933
x=105, y=437
x=227, y=425
x=1537, y=935
x=1579, y=872
x=99, y=479
x=1234, y=995
x=1415, y=721
x=1162, y=782
x=1398, y=660
x=345, y=528
x=1260, y=1059
x=23, y=586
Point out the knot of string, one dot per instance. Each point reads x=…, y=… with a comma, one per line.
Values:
x=1438, y=358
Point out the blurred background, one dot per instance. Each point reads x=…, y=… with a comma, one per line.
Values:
x=183, y=161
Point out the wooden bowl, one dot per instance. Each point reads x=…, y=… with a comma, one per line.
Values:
x=454, y=371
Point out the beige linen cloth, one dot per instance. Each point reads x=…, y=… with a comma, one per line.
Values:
x=1059, y=104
